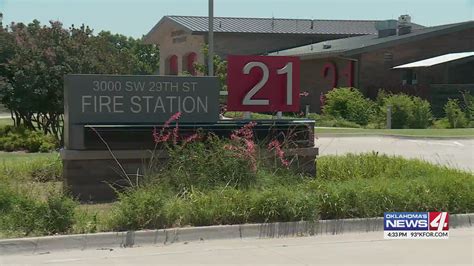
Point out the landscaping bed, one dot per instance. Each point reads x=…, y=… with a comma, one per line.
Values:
x=347, y=186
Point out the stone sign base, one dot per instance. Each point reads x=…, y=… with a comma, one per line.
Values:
x=94, y=176
x=97, y=171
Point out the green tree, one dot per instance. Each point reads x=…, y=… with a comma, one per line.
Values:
x=220, y=67
x=35, y=58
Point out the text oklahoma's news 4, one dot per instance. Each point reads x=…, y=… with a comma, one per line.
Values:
x=416, y=225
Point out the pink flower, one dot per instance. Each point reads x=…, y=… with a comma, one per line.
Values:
x=276, y=145
x=164, y=135
x=174, y=117
x=175, y=134
x=191, y=138
x=245, y=146
x=156, y=135
x=245, y=132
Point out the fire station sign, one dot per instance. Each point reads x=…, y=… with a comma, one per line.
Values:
x=140, y=99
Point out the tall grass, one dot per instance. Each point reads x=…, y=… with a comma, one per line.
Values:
x=202, y=186
x=23, y=214
x=32, y=201
x=375, y=165
x=349, y=186
x=47, y=167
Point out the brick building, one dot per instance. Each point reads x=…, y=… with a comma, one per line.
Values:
x=181, y=38
x=373, y=62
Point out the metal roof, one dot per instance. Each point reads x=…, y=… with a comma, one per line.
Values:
x=355, y=45
x=436, y=60
x=279, y=25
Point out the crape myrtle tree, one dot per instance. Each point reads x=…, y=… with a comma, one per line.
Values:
x=220, y=67
x=34, y=59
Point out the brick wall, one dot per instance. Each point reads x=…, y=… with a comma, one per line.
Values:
x=373, y=70
x=172, y=40
x=376, y=72
x=314, y=80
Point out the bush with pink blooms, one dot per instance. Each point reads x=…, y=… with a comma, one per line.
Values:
x=206, y=161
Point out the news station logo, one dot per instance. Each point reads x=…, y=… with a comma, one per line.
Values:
x=416, y=225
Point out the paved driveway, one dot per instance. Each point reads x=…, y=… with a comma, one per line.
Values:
x=347, y=249
x=457, y=153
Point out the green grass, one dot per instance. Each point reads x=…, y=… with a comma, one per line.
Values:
x=6, y=121
x=348, y=186
x=24, y=156
x=427, y=133
x=257, y=116
x=18, y=167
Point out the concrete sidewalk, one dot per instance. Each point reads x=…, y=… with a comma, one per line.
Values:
x=350, y=249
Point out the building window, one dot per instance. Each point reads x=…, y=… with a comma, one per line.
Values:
x=414, y=78
x=409, y=77
x=188, y=63
x=172, y=65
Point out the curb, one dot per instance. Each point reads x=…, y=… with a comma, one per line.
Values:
x=111, y=240
x=355, y=135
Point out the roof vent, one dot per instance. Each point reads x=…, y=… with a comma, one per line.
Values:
x=404, y=19
x=312, y=24
x=326, y=46
x=404, y=24
x=386, y=28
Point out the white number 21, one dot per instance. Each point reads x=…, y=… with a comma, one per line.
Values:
x=287, y=69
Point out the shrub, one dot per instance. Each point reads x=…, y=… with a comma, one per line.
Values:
x=402, y=107
x=47, y=147
x=24, y=214
x=441, y=123
x=422, y=116
x=349, y=104
x=468, y=99
x=18, y=138
x=207, y=165
x=407, y=111
x=456, y=117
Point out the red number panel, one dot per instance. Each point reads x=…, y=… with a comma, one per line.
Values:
x=263, y=83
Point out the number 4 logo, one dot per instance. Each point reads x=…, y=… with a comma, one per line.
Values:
x=439, y=221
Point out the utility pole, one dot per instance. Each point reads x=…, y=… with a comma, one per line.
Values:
x=389, y=117
x=211, y=39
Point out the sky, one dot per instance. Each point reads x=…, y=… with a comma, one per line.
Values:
x=136, y=17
